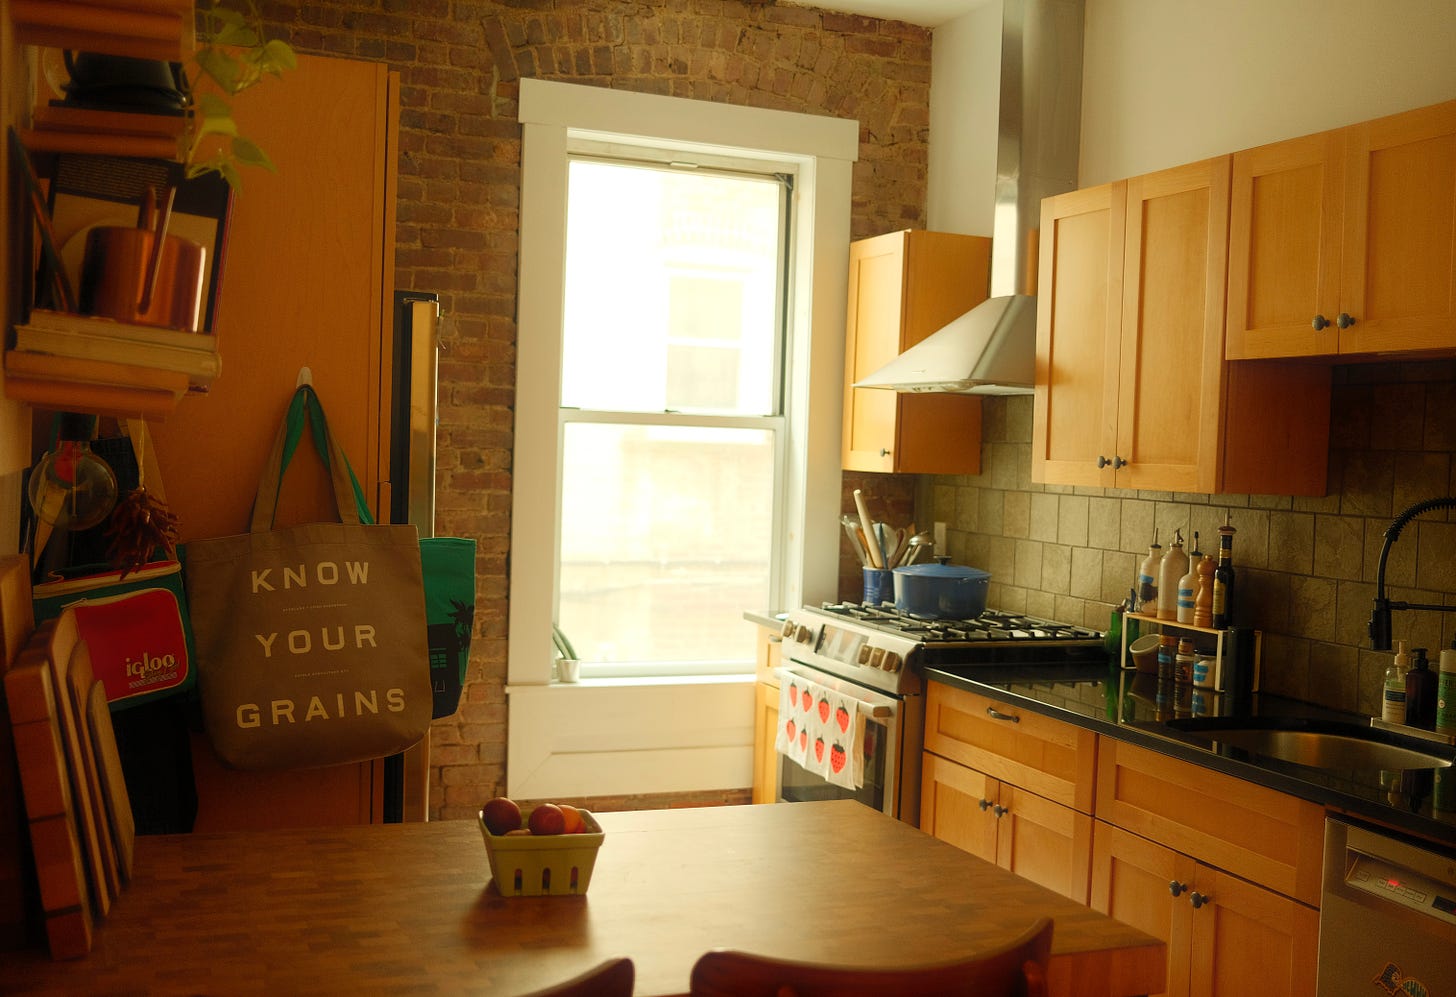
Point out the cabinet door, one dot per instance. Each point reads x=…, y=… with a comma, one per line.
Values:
x=1171, y=367
x=1284, y=248
x=876, y=304
x=955, y=806
x=1249, y=940
x=1398, y=280
x=1133, y=880
x=1078, y=319
x=1043, y=841
x=765, y=731
x=903, y=286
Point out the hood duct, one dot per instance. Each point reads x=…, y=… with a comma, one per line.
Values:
x=991, y=349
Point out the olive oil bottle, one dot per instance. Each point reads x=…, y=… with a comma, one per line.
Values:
x=1223, y=579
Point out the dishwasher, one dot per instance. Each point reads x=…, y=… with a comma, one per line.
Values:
x=1387, y=915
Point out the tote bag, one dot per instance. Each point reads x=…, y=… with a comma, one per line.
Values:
x=311, y=640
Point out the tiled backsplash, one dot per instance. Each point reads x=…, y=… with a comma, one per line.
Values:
x=1305, y=567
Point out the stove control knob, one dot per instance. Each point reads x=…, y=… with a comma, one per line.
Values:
x=799, y=632
x=788, y=629
x=876, y=658
x=893, y=662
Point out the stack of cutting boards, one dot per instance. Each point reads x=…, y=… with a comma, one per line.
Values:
x=76, y=807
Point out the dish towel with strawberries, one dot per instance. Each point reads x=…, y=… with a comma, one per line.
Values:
x=822, y=730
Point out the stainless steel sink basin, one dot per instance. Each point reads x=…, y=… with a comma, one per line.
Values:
x=1317, y=745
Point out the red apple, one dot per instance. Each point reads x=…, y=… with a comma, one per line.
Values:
x=547, y=819
x=501, y=815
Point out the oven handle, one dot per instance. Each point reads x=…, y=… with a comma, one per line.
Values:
x=996, y=714
x=870, y=704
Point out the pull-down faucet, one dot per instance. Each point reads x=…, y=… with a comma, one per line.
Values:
x=1380, y=615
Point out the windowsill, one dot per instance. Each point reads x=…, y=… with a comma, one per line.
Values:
x=643, y=681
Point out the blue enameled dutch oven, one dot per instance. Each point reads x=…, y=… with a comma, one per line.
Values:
x=941, y=591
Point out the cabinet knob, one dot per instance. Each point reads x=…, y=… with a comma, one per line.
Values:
x=884, y=452
x=984, y=804
x=1344, y=321
x=999, y=810
x=1199, y=899
x=1102, y=461
x=1176, y=887
x=1320, y=322
x=1118, y=462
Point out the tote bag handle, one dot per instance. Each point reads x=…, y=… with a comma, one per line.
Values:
x=305, y=408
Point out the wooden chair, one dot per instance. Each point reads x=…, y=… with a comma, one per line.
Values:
x=613, y=978
x=1016, y=970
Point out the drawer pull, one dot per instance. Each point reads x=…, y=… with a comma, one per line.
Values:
x=1000, y=811
x=1198, y=899
x=996, y=714
x=1176, y=887
x=984, y=804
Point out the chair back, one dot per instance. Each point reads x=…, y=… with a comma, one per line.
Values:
x=1017, y=969
x=613, y=978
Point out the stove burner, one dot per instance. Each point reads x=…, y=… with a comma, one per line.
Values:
x=992, y=626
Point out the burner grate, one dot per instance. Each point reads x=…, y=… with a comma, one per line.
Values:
x=992, y=626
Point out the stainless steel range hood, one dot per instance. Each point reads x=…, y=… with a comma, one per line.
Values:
x=991, y=349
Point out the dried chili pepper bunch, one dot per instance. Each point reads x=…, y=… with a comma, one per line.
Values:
x=139, y=525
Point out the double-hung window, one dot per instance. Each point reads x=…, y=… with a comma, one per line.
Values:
x=671, y=428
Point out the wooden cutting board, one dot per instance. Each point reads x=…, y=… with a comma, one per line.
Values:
x=55, y=640
x=79, y=678
x=55, y=843
x=113, y=781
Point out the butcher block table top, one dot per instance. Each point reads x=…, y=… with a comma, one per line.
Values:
x=407, y=907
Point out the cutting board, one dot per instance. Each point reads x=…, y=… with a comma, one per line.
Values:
x=113, y=781
x=40, y=754
x=55, y=641
x=78, y=679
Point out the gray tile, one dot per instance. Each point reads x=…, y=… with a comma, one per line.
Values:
x=1072, y=527
x=1003, y=464
x=1262, y=599
x=1421, y=476
x=1017, y=522
x=1045, y=510
x=1440, y=431
x=1353, y=602
x=1028, y=571
x=1339, y=546
x=1291, y=542
x=992, y=518
x=1333, y=676
x=1042, y=604
x=1001, y=559
x=1312, y=608
x=1019, y=410
x=1368, y=484
x=1435, y=555
x=1284, y=665
x=1370, y=680
x=1400, y=560
x=1350, y=409
x=1086, y=573
x=1119, y=572
x=1056, y=568
x=1104, y=523
x=967, y=510
x=1397, y=416
x=1137, y=525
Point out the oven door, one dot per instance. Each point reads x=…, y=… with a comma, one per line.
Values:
x=881, y=746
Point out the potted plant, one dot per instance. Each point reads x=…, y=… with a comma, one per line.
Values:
x=232, y=55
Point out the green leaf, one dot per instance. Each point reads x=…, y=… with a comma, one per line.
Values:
x=278, y=56
x=247, y=152
x=221, y=67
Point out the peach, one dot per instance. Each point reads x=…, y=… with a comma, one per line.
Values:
x=547, y=819
x=501, y=815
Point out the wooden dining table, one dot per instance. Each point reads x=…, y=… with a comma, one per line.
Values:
x=410, y=908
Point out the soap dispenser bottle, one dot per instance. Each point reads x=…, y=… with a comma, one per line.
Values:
x=1392, y=702
x=1446, y=694
x=1420, y=693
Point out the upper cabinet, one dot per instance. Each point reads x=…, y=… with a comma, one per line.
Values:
x=1344, y=242
x=1131, y=388
x=903, y=286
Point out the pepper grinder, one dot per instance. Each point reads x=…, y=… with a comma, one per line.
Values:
x=1203, y=599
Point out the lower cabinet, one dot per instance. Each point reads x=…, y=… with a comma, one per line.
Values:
x=1033, y=837
x=766, y=717
x=1225, y=936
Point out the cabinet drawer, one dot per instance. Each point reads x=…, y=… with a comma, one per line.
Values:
x=1260, y=834
x=1052, y=759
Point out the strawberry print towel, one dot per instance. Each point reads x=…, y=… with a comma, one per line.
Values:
x=822, y=731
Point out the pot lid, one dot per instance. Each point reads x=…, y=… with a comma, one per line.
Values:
x=943, y=571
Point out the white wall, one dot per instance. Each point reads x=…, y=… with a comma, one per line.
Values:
x=1166, y=82
x=965, y=84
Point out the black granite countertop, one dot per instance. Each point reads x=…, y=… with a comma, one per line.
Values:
x=1126, y=705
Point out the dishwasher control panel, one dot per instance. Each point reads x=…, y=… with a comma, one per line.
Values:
x=1401, y=886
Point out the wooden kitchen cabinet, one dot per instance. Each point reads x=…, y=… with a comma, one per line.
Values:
x=903, y=286
x=766, y=716
x=1226, y=937
x=1011, y=786
x=1132, y=390
x=1344, y=242
x=1037, y=839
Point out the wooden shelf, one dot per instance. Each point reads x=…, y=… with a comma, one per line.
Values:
x=95, y=386
x=142, y=29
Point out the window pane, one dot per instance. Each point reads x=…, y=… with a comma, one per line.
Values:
x=666, y=538
x=672, y=284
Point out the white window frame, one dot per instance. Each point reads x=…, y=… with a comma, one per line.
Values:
x=613, y=736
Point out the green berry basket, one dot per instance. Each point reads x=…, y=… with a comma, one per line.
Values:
x=538, y=865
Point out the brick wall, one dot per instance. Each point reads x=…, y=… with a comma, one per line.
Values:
x=1305, y=567
x=460, y=63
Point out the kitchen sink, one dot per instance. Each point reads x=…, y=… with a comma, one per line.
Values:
x=1316, y=744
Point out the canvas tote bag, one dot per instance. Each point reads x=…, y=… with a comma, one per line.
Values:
x=311, y=640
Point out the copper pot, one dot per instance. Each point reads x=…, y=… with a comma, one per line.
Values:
x=123, y=278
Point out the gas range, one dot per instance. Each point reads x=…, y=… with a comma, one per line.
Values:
x=878, y=646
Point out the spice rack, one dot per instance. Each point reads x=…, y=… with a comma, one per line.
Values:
x=1203, y=638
